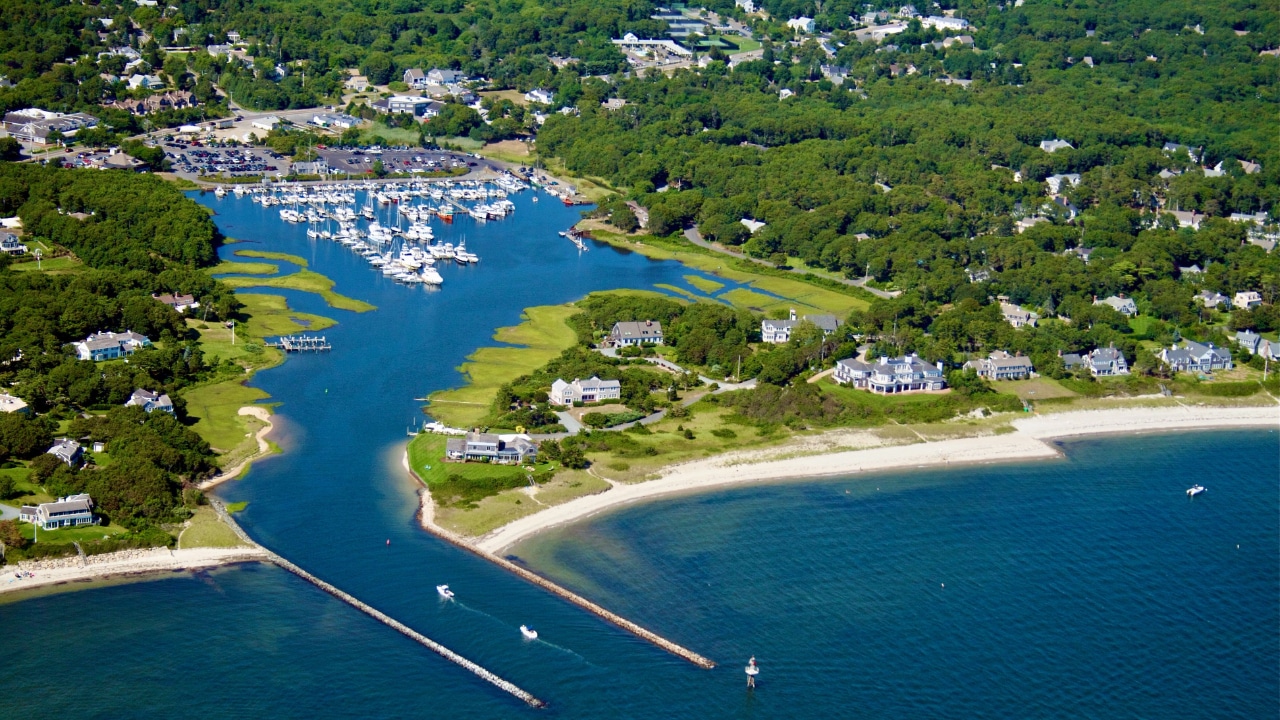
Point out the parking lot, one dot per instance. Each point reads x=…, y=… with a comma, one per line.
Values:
x=195, y=158
x=394, y=160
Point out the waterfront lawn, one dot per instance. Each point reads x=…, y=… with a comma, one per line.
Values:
x=270, y=255
x=541, y=336
x=66, y=536
x=305, y=281
x=498, y=510
x=1041, y=388
x=463, y=485
x=205, y=529
x=216, y=409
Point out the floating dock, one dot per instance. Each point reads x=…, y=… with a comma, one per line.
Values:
x=302, y=343
x=453, y=657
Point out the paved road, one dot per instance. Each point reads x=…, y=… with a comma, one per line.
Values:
x=695, y=237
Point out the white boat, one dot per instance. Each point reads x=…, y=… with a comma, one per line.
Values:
x=431, y=276
x=528, y=632
x=1195, y=490
x=445, y=592
x=220, y=193
x=752, y=668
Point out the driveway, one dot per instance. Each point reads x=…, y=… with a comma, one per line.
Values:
x=8, y=512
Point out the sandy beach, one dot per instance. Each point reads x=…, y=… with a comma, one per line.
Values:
x=126, y=562
x=1026, y=442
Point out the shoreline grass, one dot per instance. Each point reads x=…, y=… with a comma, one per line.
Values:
x=270, y=255
x=304, y=281
x=229, y=267
x=541, y=336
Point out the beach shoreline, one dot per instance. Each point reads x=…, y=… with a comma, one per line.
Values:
x=1030, y=439
x=126, y=563
x=264, y=448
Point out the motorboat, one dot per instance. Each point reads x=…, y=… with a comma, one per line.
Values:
x=445, y=592
x=1195, y=490
x=528, y=632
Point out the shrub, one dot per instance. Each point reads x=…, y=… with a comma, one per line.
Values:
x=724, y=433
x=619, y=466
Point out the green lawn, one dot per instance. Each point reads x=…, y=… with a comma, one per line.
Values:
x=270, y=316
x=542, y=336
x=64, y=536
x=305, y=281
x=244, y=268
x=206, y=530
x=1041, y=388
x=269, y=255
x=53, y=265
x=390, y=136
x=216, y=409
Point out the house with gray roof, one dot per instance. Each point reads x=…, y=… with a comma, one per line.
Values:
x=635, y=333
x=779, y=331
x=68, y=451
x=415, y=78
x=110, y=345
x=10, y=404
x=1122, y=304
x=70, y=511
x=9, y=245
x=1196, y=357
x=584, y=391
x=1249, y=340
x=1000, y=365
x=150, y=401
x=1211, y=299
x=891, y=376
x=492, y=448
x=1018, y=317
x=1107, y=362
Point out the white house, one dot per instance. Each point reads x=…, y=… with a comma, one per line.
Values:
x=1018, y=317
x=110, y=345
x=150, y=401
x=1056, y=182
x=1051, y=146
x=443, y=76
x=1122, y=304
x=9, y=404
x=584, y=391
x=66, y=450
x=801, y=25
x=70, y=511
x=890, y=376
x=541, y=96
x=752, y=226
x=748, y=6
x=1247, y=299
x=489, y=447
x=9, y=244
x=636, y=333
x=146, y=82
x=939, y=22
x=779, y=331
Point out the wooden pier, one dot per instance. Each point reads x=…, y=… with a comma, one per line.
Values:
x=302, y=343
x=453, y=657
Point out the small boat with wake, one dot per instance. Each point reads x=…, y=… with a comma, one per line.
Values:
x=528, y=632
x=1195, y=490
x=445, y=592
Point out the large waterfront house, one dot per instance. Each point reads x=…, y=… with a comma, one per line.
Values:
x=1102, y=362
x=636, y=333
x=68, y=451
x=110, y=345
x=779, y=331
x=150, y=401
x=1196, y=357
x=891, y=375
x=1000, y=365
x=70, y=511
x=492, y=448
x=584, y=391
x=1122, y=304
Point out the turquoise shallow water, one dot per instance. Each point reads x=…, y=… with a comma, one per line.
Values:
x=1087, y=587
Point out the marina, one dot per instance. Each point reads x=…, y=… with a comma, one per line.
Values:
x=302, y=343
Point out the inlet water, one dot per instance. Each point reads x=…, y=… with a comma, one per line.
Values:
x=1084, y=587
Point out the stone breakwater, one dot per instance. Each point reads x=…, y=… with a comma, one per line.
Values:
x=640, y=632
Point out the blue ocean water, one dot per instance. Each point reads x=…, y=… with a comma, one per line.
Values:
x=1087, y=587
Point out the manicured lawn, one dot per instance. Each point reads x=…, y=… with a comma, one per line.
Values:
x=269, y=255
x=704, y=284
x=390, y=136
x=244, y=268
x=63, y=536
x=1038, y=389
x=542, y=336
x=206, y=530
x=50, y=265
x=514, y=96
x=305, y=281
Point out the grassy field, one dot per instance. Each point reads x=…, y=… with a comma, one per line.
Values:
x=51, y=265
x=305, y=281
x=426, y=453
x=681, y=292
x=215, y=408
x=542, y=336
x=512, y=151
x=804, y=296
x=64, y=536
x=514, y=96
x=228, y=267
x=703, y=284
x=592, y=188
x=270, y=315
x=206, y=530
x=269, y=255
x=389, y=136
x=1041, y=388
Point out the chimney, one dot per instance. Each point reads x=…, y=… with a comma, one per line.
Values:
x=793, y=314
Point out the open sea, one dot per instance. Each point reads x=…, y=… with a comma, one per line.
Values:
x=1084, y=587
